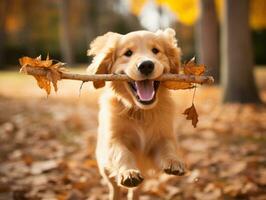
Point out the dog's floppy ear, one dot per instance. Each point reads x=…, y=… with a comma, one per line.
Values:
x=103, y=51
x=172, y=51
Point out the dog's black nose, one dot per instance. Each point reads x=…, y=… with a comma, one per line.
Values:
x=146, y=67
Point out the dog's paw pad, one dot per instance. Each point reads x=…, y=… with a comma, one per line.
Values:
x=175, y=168
x=131, y=178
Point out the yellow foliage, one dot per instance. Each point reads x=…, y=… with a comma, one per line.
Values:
x=136, y=6
x=257, y=16
x=187, y=11
x=13, y=24
x=219, y=5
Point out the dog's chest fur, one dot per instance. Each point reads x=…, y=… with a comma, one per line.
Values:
x=140, y=130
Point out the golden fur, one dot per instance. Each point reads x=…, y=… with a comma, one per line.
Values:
x=135, y=137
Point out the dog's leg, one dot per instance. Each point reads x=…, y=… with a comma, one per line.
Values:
x=114, y=189
x=168, y=159
x=133, y=194
x=124, y=161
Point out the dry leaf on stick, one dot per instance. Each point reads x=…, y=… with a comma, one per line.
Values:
x=173, y=85
x=192, y=115
x=35, y=62
x=53, y=75
x=191, y=68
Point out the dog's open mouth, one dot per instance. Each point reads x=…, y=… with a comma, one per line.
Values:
x=145, y=90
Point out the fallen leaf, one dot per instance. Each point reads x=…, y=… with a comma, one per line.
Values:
x=261, y=178
x=193, y=176
x=75, y=195
x=81, y=185
x=234, y=169
x=213, y=157
x=90, y=163
x=19, y=194
x=173, y=85
x=28, y=160
x=192, y=115
x=210, y=192
x=44, y=166
x=249, y=187
x=233, y=188
x=196, y=145
x=4, y=186
x=191, y=68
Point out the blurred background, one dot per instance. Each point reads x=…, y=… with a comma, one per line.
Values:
x=47, y=144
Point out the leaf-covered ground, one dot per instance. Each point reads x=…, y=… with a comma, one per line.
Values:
x=47, y=146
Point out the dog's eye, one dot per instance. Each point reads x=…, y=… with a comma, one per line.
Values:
x=128, y=53
x=155, y=50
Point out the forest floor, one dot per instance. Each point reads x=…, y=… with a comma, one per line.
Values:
x=47, y=145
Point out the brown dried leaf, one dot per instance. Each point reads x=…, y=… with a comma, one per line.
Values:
x=28, y=160
x=43, y=83
x=191, y=68
x=43, y=166
x=234, y=187
x=234, y=169
x=90, y=163
x=53, y=74
x=210, y=192
x=192, y=115
x=35, y=62
x=173, y=85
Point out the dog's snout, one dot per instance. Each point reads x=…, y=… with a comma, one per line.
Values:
x=146, y=67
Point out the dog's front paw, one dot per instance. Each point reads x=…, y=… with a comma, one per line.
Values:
x=130, y=178
x=175, y=167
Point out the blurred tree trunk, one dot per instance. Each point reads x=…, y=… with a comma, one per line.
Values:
x=237, y=59
x=207, y=33
x=92, y=18
x=3, y=15
x=27, y=34
x=65, y=32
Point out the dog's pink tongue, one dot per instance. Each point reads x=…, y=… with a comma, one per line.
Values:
x=145, y=90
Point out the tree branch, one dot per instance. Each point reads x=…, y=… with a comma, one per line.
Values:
x=121, y=77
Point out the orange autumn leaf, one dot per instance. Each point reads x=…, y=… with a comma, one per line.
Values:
x=43, y=83
x=36, y=62
x=173, y=85
x=53, y=75
x=192, y=115
x=191, y=68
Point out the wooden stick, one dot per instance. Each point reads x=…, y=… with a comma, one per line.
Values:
x=122, y=77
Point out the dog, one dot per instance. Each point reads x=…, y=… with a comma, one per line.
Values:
x=136, y=118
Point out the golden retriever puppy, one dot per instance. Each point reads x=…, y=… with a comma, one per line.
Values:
x=136, y=119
